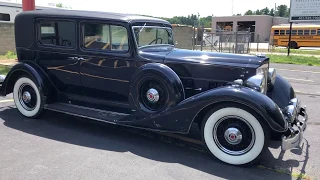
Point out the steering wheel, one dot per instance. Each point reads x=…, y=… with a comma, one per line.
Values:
x=156, y=40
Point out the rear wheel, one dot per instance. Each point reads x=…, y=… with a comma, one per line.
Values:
x=234, y=135
x=27, y=97
x=293, y=45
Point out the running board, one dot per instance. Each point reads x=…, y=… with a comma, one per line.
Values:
x=85, y=112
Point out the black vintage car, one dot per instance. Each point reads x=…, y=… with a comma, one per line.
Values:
x=125, y=70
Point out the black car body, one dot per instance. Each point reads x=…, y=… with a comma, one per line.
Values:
x=125, y=70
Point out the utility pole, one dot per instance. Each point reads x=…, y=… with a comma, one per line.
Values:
x=232, y=7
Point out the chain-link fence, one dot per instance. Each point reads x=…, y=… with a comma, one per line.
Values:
x=224, y=41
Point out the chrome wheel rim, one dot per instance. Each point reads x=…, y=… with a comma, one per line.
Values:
x=233, y=135
x=27, y=97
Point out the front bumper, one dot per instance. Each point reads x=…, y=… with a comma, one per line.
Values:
x=297, y=118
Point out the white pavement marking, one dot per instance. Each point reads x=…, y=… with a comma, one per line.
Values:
x=314, y=72
x=307, y=80
x=7, y=100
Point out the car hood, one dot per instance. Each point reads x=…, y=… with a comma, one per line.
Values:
x=214, y=58
x=174, y=55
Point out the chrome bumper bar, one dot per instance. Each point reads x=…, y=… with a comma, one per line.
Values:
x=293, y=112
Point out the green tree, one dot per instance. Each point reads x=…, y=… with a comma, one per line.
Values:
x=265, y=11
x=271, y=13
x=282, y=10
x=60, y=5
x=249, y=12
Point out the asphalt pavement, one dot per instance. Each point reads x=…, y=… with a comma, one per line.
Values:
x=59, y=146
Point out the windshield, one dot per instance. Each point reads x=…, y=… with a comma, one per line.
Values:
x=151, y=35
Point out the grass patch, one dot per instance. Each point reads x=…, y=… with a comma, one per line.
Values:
x=293, y=59
x=8, y=55
x=297, y=51
x=4, y=70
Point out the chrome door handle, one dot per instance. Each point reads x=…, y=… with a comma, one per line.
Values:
x=73, y=58
x=81, y=59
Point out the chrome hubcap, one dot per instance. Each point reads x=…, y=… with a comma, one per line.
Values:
x=26, y=97
x=153, y=95
x=233, y=136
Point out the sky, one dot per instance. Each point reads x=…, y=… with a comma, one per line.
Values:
x=169, y=8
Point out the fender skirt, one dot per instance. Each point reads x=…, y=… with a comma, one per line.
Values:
x=179, y=118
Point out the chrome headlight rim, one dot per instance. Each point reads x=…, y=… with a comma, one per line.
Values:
x=272, y=74
x=257, y=82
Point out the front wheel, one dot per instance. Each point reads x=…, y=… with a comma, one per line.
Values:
x=234, y=135
x=27, y=97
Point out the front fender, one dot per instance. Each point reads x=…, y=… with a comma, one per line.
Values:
x=180, y=117
x=32, y=70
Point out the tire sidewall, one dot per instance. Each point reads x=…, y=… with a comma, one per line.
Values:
x=38, y=109
x=260, y=141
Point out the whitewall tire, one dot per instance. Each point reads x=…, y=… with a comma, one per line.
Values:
x=27, y=97
x=234, y=135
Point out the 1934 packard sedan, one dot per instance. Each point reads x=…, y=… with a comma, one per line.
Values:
x=125, y=70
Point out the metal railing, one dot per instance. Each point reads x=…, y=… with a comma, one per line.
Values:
x=225, y=41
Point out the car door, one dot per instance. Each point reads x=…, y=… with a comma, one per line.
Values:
x=106, y=62
x=57, y=51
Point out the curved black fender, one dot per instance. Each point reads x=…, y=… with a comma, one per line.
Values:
x=170, y=84
x=35, y=72
x=180, y=117
x=281, y=92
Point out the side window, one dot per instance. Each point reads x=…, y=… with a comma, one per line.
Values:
x=58, y=33
x=276, y=32
x=306, y=32
x=318, y=31
x=287, y=32
x=300, y=32
x=281, y=32
x=313, y=32
x=97, y=36
x=119, y=37
x=294, y=32
x=105, y=37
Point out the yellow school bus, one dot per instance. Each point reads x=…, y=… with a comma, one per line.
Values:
x=302, y=36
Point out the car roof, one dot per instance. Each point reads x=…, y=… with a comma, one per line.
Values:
x=91, y=14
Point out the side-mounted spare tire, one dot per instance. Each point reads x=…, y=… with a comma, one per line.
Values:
x=154, y=87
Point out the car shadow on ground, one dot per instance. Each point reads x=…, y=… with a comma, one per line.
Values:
x=146, y=144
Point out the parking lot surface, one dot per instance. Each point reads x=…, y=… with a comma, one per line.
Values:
x=59, y=146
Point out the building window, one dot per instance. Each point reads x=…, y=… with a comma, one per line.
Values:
x=313, y=32
x=4, y=17
x=58, y=33
x=105, y=37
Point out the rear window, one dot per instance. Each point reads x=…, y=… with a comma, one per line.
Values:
x=58, y=33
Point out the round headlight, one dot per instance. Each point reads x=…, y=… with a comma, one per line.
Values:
x=257, y=82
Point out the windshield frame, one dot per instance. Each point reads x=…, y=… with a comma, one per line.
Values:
x=152, y=45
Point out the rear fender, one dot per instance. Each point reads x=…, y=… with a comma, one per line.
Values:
x=35, y=72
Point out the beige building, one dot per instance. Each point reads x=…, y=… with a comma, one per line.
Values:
x=258, y=25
